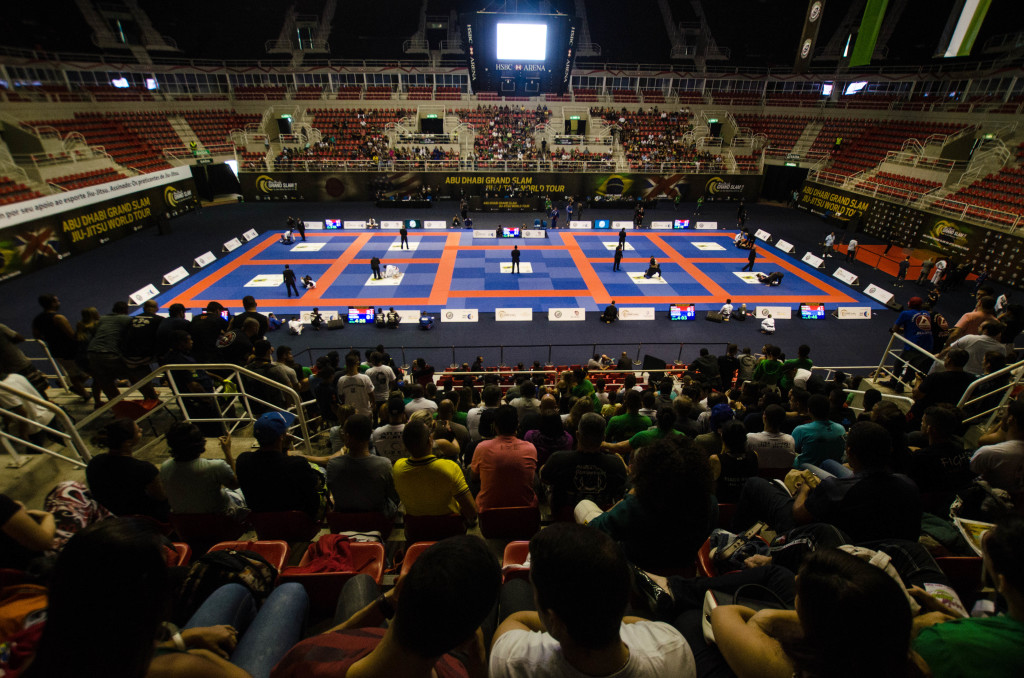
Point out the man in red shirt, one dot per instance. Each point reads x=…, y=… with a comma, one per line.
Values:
x=505, y=465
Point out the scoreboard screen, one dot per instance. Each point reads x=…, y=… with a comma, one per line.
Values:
x=678, y=312
x=519, y=54
x=812, y=311
x=360, y=316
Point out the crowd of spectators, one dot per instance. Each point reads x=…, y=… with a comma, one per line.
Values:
x=646, y=470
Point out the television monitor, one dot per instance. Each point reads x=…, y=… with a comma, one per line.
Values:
x=511, y=232
x=522, y=42
x=681, y=223
x=332, y=224
x=678, y=312
x=812, y=311
x=603, y=224
x=413, y=223
x=361, y=316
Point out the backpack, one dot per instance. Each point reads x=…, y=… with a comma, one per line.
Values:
x=217, y=568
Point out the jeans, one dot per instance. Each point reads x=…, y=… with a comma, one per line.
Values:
x=264, y=637
x=765, y=500
x=915, y=565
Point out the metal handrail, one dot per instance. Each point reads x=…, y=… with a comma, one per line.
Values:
x=296, y=404
x=1006, y=390
x=898, y=357
x=72, y=438
x=58, y=371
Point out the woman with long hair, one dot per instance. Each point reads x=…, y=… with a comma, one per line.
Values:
x=122, y=484
x=109, y=595
x=196, y=485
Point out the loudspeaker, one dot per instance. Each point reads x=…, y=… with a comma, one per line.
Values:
x=284, y=125
x=894, y=306
x=653, y=364
x=714, y=316
x=336, y=324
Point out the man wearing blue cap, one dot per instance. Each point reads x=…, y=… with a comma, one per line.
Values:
x=270, y=478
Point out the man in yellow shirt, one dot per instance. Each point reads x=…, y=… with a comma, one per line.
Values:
x=429, y=486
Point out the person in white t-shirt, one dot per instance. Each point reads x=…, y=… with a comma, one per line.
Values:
x=383, y=378
x=387, y=439
x=355, y=389
x=419, y=402
x=775, y=450
x=16, y=404
x=1002, y=463
x=580, y=581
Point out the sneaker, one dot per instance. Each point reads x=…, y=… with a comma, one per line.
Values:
x=658, y=599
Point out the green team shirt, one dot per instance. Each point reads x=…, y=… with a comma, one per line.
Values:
x=980, y=648
x=649, y=436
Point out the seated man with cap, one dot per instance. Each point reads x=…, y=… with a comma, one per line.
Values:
x=272, y=479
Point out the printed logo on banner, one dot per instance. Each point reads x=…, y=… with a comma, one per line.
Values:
x=147, y=292
x=175, y=276
x=812, y=260
x=437, y=225
x=391, y=225
x=579, y=225
x=661, y=225
x=314, y=226
x=459, y=315
x=232, y=245
x=204, y=260
x=719, y=186
x=268, y=185
x=513, y=314
x=408, y=316
x=706, y=226
x=354, y=225
x=854, y=313
x=846, y=277
x=619, y=225
x=250, y=234
x=535, y=233
x=638, y=278
x=566, y=314
x=173, y=197
x=484, y=233
x=748, y=277
x=387, y=281
x=762, y=235
x=783, y=312
x=636, y=313
x=708, y=246
x=783, y=245
x=878, y=293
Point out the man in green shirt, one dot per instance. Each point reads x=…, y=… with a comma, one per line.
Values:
x=983, y=647
x=624, y=426
x=664, y=429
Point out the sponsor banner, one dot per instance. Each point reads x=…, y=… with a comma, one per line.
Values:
x=354, y=225
x=833, y=202
x=484, y=233
x=853, y=313
x=619, y=225
x=805, y=49
x=846, y=276
x=391, y=225
x=762, y=235
x=306, y=317
x=580, y=225
x=459, y=315
x=706, y=226
x=812, y=260
x=332, y=186
x=251, y=234
x=175, y=276
x=408, y=316
x=232, y=245
x=778, y=312
x=314, y=226
x=877, y=293
x=948, y=236
x=513, y=314
x=636, y=313
x=436, y=225
x=534, y=233
x=56, y=205
x=784, y=245
x=566, y=314
x=147, y=292
x=661, y=225
x=308, y=247
x=204, y=260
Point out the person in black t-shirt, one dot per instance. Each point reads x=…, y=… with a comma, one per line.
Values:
x=55, y=329
x=24, y=534
x=139, y=346
x=206, y=330
x=122, y=484
x=586, y=473
x=249, y=304
x=270, y=478
x=942, y=387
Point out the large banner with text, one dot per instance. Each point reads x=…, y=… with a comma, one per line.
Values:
x=328, y=186
x=40, y=232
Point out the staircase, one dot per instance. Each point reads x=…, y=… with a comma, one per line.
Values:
x=807, y=138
